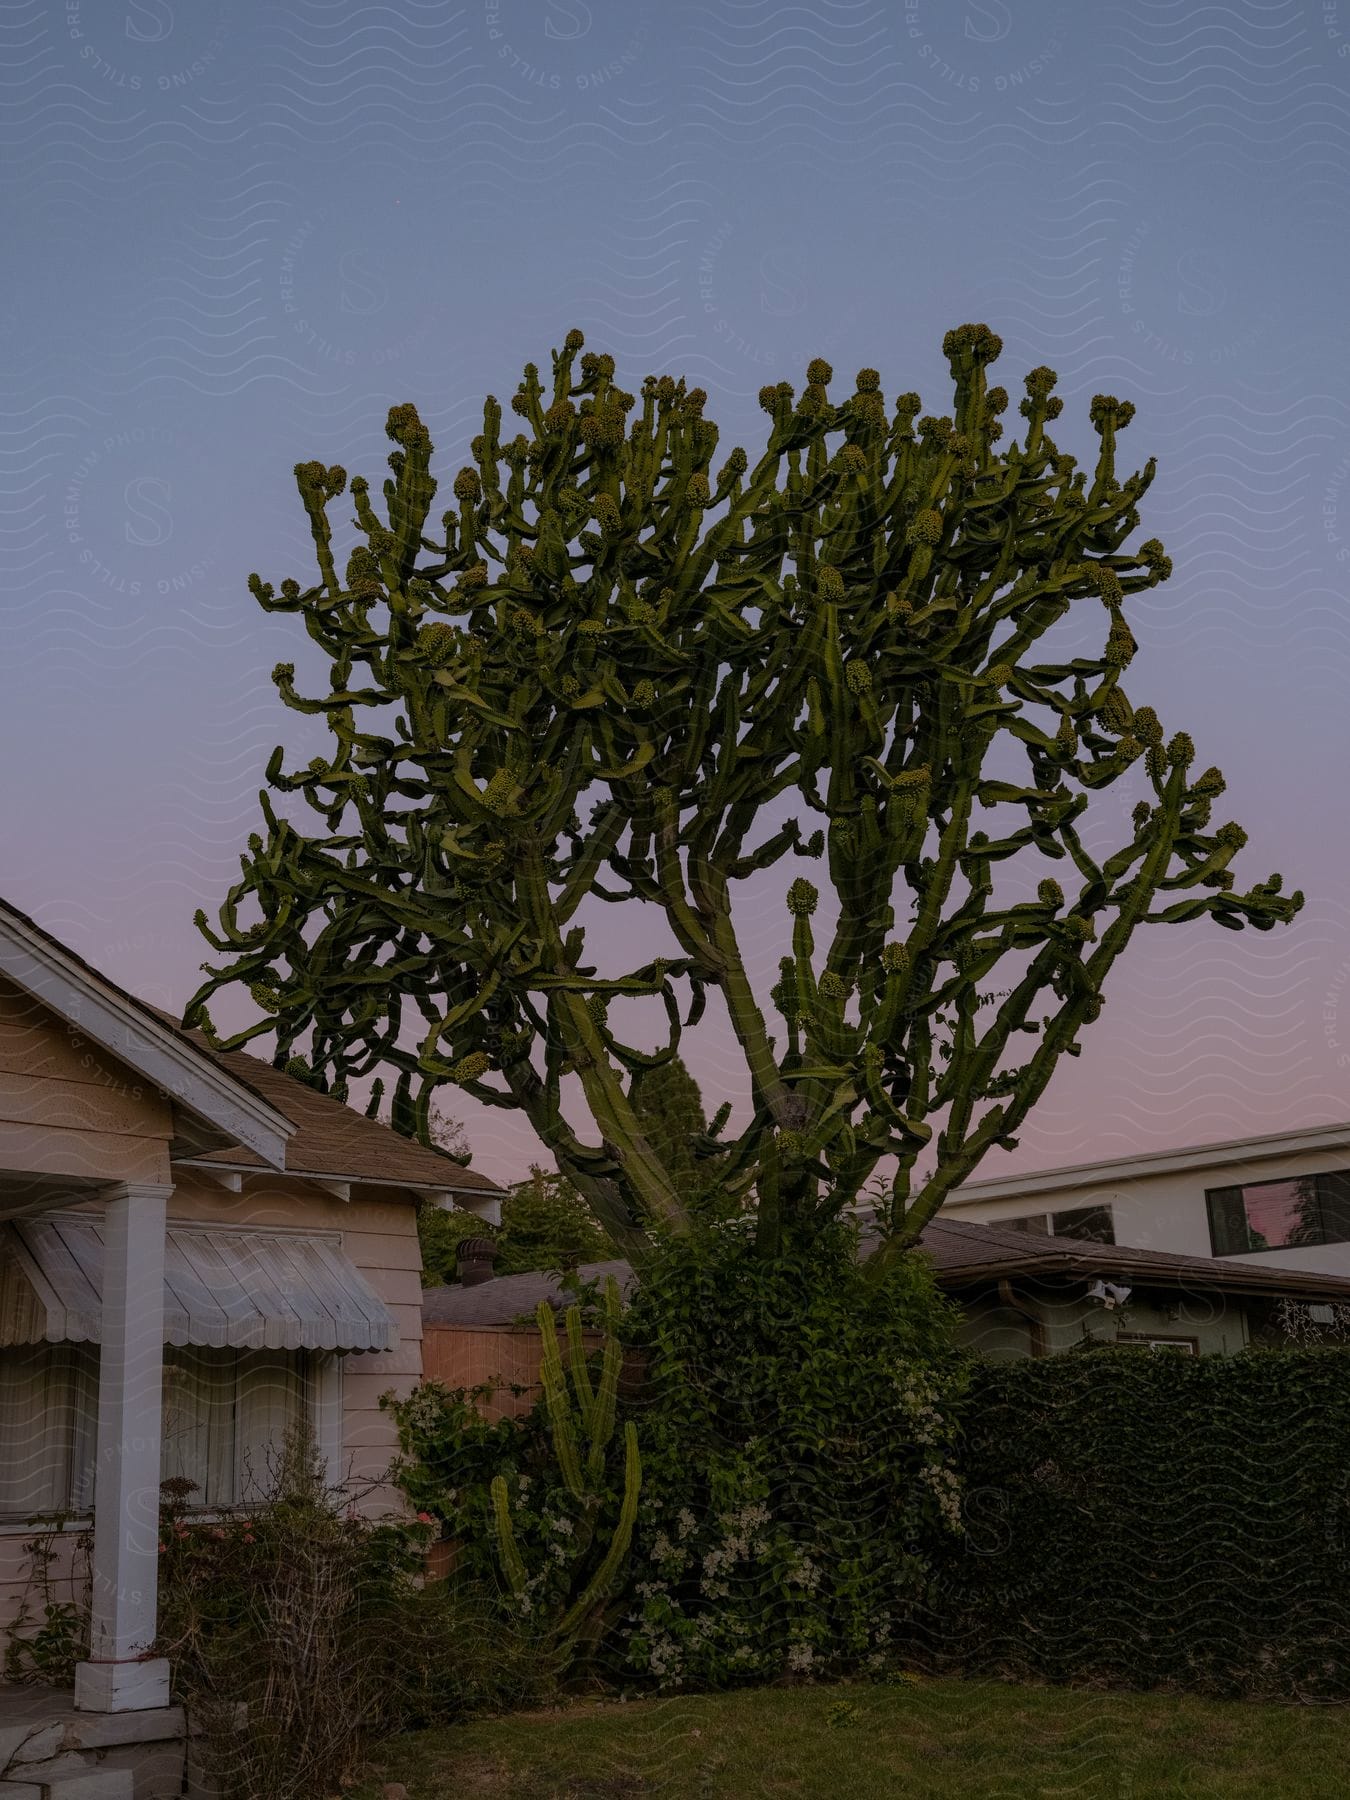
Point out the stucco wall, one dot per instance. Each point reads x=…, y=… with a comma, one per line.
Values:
x=1166, y=1211
x=994, y=1329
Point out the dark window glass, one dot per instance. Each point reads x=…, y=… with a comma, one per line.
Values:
x=1091, y=1222
x=1228, y=1234
x=1333, y=1202
x=1277, y=1215
x=1033, y=1222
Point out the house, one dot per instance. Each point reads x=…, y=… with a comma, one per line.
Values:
x=196, y=1249
x=1279, y=1201
x=1020, y=1293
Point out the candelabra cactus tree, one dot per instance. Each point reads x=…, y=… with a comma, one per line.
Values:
x=612, y=672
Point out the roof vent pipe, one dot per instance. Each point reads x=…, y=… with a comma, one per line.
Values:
x=474, y=1258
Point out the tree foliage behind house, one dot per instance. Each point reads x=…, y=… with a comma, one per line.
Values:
x=611, y=673
x=546, y=1224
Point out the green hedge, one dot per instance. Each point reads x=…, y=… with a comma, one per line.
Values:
x=1145, y=1518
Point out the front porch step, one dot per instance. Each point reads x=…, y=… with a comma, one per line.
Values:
x=94, y=1784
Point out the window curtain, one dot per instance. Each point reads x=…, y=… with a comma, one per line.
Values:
x=48, y=1417
x=225, y=1417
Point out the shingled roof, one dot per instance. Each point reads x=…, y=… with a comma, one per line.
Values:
x=333, y=1140
x=964, y=1255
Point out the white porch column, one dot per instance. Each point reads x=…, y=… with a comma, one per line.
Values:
x=327, y=1414
x=120, y=1675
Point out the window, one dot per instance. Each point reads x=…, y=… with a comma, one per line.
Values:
x=1095, y=1223
x=1279, y=1215
x=225, y=1414
x=1188, y=1346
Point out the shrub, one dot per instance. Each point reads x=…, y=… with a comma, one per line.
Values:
x=1137, y=1518
x=541, y=1510
x=797, y=1438
x=288, y=1629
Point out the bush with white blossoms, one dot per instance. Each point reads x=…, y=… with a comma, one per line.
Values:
x=798, y=1439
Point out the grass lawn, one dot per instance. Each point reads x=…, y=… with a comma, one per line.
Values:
x=983, y=1741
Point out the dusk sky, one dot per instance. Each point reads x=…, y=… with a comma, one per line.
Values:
x=236, y=234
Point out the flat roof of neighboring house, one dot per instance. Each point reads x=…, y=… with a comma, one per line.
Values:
x=299, y=1130
x=1138, y=1165
x=964, y=1255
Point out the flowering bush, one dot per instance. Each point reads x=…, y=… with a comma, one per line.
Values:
x=798, y=1441
x=796, y=1434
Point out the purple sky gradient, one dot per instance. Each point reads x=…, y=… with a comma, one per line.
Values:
x=237, y=234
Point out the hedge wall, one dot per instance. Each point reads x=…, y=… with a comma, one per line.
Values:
x=1145, y=1518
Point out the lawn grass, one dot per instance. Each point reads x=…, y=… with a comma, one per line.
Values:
x=923, y=1741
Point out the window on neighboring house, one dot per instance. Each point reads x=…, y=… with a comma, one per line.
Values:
x=1188, y=1346
x=1280, y=1215
x=1094, y=1223
x=225, y=1414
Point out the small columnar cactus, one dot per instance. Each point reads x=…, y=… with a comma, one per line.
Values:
x=582, y=1424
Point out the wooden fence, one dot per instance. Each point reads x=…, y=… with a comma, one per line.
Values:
x=463, y=1356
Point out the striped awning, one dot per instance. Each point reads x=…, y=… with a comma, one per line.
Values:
x=235, y=1289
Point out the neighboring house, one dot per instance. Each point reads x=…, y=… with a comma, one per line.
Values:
x=1020, y=1294
x=1278, y=1201
x=196, y=1250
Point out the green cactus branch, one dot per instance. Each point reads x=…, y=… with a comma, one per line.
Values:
x=610, y=672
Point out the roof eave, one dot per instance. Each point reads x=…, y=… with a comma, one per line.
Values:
x=1154, y=1162
x=167, y=1060
x=1197, y=1274
x=425, y=1190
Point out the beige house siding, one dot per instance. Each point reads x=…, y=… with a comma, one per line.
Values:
x=69, y=1108
x=379, y=1234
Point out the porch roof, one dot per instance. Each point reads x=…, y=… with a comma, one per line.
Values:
x=223, y=1287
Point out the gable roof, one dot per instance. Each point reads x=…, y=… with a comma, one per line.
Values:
x=134, y=1033
x=263, y=1118
x=964, y=1255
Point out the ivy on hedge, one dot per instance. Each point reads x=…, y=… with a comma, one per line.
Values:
x=1148, y=1518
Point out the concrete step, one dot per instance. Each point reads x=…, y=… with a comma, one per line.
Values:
x=94, y=1784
